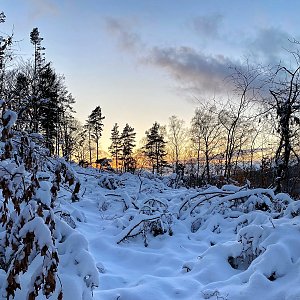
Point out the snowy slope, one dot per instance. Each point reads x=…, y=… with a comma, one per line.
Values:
x=149, y=241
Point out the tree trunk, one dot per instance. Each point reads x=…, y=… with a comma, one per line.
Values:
x=90, y=147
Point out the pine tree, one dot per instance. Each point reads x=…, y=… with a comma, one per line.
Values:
x=155, y=148
x=48, y=89
x=116, y=147
x=39, y=61
x=36, y=40
x=128, y=143
x=95, y=125
x=20, y=95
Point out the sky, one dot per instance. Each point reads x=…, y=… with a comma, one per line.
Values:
x=144, y=61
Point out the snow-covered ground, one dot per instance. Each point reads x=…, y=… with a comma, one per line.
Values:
x=132, y=237
x=150, y=241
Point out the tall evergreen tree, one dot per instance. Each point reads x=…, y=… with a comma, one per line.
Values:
x=38, y=95
x=116, y=147
x=36, y=40
x=155, y=148
x=96, y=126
x=48, y=109
x=48, y=112
x=39, y=62
x=52, y=105
x=128, y=143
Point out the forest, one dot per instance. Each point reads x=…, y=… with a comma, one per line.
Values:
x=216, y=195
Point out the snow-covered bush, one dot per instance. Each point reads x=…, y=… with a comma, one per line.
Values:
x=150, y=216
x=293, y=210
x=133, y=210
x=27, y=220
x=75, y=259
x=30, y=240
x=64, y=174
x=110, y=182
x=153, y=217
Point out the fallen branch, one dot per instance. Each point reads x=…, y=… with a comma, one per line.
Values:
x=138, y=220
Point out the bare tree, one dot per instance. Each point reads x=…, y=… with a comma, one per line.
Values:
x=247, y=87
x=206, y=134
x=177, y=137
x=285, y=102
x=5, y=55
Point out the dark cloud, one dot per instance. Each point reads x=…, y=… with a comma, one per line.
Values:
x=194, y=70
x=122, y=30
x=198, y=72
x=208, y=26
x=203, y=73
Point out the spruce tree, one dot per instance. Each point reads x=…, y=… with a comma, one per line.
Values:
x=128, y=143
x=96, y=126
x=116, y=147
x=36, y=40
x=155, y=148
x=48, y=110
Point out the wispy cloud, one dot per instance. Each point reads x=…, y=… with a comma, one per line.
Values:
x=40, y=8
x=122, y=30
x=270, y=44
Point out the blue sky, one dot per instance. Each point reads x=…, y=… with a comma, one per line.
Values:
x=143, y=61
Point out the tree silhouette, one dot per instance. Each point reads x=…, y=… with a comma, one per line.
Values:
x=95, y=125
x=155, y=148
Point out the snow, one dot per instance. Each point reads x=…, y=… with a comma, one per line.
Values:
x=42, y=233
x=237, y=252
x=136, y=238
x=43, y=193
x=10, y=116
